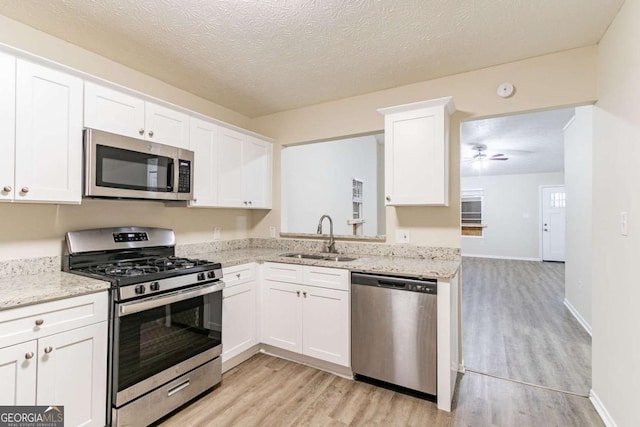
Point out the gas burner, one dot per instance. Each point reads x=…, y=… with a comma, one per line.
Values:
x=173, y=262
x=124, y=269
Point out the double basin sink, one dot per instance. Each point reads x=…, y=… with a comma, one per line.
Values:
x=324, y=257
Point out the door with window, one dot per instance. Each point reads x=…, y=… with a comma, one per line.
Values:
x=553, y=223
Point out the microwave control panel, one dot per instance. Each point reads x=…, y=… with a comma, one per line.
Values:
x=184, y=176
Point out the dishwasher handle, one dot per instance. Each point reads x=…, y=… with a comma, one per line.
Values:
x=428, y=286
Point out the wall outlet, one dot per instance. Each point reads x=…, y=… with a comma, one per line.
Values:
x=402, y=236
x=623, y=224
x=272, y=232
x=216, y=233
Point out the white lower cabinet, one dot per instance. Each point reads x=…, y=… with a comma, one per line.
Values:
x=67, y=368
x=310, y=320
x=239, y=310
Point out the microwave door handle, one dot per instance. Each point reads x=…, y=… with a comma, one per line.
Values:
x=172, y=175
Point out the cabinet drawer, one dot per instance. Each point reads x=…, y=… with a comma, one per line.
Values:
x=238, y=274
x=290, y=273
x=40, y=320
x=331, y=278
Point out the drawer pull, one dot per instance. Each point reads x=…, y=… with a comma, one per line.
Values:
x=298, y=292
x=48, y=349
x=39, y=322
x=28, y=355
x=179, y=387
x=304, y=294
x=238, y=276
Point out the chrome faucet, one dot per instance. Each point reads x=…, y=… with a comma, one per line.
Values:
x=331, y=247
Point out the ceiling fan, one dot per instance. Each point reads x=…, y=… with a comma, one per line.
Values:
x=482, y=156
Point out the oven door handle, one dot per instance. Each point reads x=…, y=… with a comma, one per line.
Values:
x=147, y=304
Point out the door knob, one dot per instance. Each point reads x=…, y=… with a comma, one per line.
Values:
x=7, y=188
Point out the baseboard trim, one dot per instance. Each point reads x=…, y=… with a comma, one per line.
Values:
x=578, y=316
x=240, y=358
x=515, y=258
x=607, y=419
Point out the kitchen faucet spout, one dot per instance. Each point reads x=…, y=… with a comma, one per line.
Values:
x=331, y=246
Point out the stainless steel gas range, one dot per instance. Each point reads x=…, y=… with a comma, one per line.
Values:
x=165, y=327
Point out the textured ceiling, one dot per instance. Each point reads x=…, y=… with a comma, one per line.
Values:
x=533, y=142
x=262, y=56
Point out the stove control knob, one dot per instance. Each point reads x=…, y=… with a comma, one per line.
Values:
x=155, y=286
x=140, y=289
x=211, y=275
x=201, y=276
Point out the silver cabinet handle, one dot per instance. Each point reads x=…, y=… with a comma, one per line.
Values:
x=298, y=293
x=7, y=188
x=28, y=355
x=388, y=198
x=48, y=349
x=39, y=322
x=150, y=134
x=304, y=294
x=25, y=190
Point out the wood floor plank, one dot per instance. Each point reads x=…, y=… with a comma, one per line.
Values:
x=516, y=325
x=266, y=391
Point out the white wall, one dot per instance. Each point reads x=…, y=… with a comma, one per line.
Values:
x=316, y=180
x=511, y=212
x=578, y=158
x=616, y=188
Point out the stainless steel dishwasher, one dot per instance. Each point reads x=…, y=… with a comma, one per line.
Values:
x=393, y=331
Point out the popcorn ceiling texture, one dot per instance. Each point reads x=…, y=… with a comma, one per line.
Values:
x=262, y=56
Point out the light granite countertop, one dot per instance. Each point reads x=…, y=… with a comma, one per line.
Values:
x=391, y=265
x=27, y=289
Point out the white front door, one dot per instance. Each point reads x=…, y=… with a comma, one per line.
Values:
x=553, y=223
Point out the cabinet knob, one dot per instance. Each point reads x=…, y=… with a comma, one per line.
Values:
x=298, y=293
x=7, y=188
x=39, y=322
x=245, y=203
x=150, y=134
x=249, y=201
x=25, y=190
x=141, y=131
x=304, y=294
x=238, y=275
x=388, y=198
x=28, y=355
x=48, y=349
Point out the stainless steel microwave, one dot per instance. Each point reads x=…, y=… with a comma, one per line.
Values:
x=122, y=167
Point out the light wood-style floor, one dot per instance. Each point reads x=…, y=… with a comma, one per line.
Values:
x=267, y=391
x=516, y=326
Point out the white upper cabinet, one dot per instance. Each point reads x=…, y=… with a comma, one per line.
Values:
x=417, y=153
x=203, y=141
x=256, y=170
x=48, y=140
x=7, y=125
x=117, y=112
x=244, y=170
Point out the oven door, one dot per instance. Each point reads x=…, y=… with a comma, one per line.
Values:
x=123, y=167
x=159, y=338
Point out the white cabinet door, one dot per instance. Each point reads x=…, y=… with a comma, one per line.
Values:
x=230, y=169
x=256, y=169
x=72, y=371
x=282, y=315
x=203, y=141
x=417, y=153
x=166, y=126
x=326, y=323
x=18, y=374
x=7, y=125
x=239, y=308
x=48, y=135
x=112, y=111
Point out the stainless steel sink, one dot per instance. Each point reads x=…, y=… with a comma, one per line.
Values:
x=327, y=257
